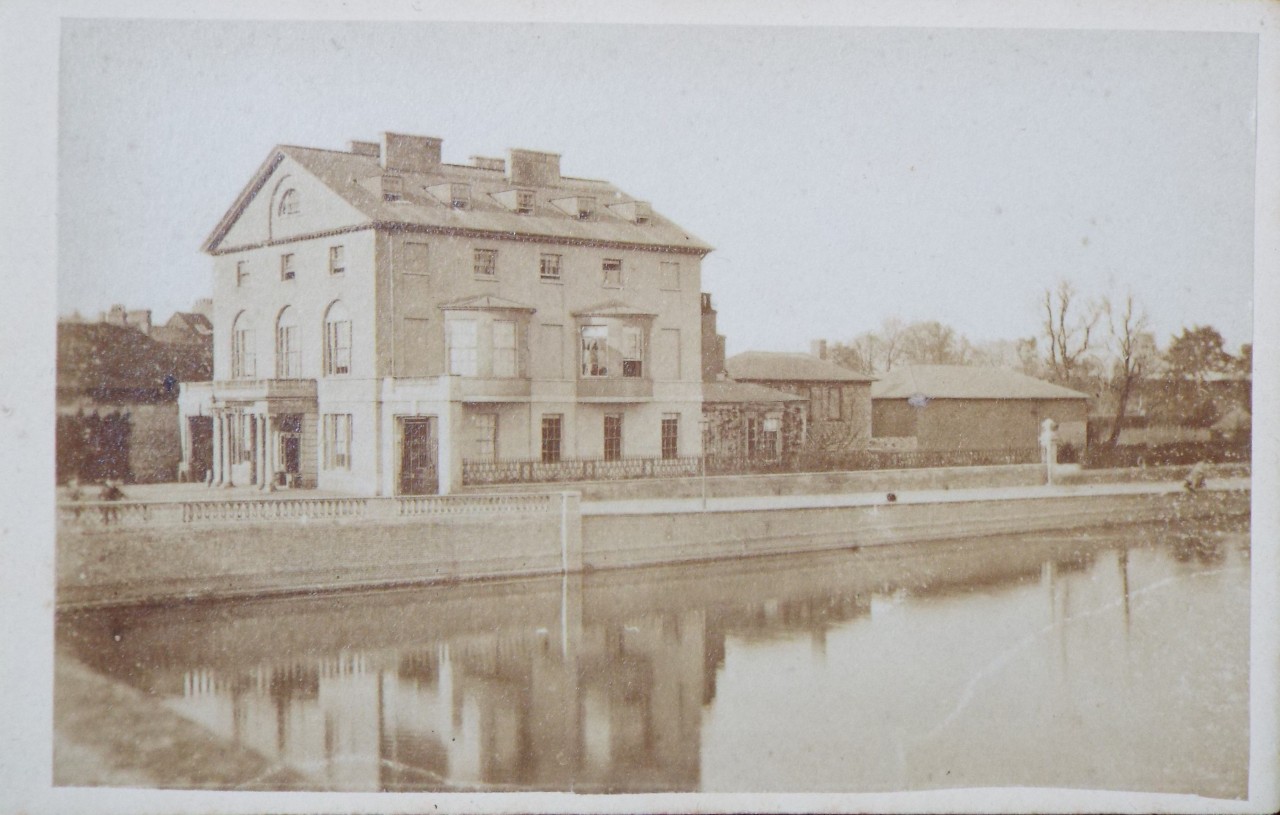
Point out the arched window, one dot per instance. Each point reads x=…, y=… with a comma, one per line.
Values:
x=288, y=347
x=290, y=203
x=337, y=340
x=243, y=356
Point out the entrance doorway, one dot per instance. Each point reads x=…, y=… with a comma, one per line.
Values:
x=200, y=429
x=418, y=456
x=290, y=448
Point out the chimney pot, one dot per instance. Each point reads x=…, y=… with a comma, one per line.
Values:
x=410, y=154
x=529, y=168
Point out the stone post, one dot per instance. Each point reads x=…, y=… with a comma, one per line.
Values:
x=1049, y=448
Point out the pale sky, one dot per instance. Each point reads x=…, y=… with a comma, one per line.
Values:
x=844, y=175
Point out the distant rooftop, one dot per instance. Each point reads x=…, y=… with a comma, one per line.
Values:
x=781, y=366
x=965, y=382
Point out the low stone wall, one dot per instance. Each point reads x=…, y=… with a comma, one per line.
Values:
x=619, y=541
x=936, y=478
x=152, y=552
x=111, y=554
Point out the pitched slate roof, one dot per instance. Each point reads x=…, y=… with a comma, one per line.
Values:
x=777, y=366
x=349, y=175
x=965, y=382
x=726, y=390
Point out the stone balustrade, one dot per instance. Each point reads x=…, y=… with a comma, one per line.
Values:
x=89, y=514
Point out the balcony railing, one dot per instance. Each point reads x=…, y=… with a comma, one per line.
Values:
x=614, y=388
x=476, y=472
x=265, y=388
x=531, y=471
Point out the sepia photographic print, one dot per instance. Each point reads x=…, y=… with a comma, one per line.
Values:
x=551, y=408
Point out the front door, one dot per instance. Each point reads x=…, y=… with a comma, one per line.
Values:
x=418, y=456
x=291, y=446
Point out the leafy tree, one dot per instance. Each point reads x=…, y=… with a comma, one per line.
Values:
x=1193, y=360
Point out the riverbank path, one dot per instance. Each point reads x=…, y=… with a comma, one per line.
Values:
x=658, y=506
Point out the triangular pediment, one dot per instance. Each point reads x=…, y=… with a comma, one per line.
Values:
x=261, y=214
x=613, y=308
x=485, y=302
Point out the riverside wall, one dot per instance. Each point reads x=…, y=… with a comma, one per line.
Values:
x=203, y=550
x=158, y=553
x=626, y=540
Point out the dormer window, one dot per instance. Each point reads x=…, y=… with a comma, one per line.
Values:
x=460, y=196
x=581, y=207
x=638, y=212
x=290, y=203
x=392, y=188
x=524, y=201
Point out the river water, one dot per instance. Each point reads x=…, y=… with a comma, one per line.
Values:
x=1112, y=659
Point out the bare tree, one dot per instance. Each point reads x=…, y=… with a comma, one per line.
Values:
x=1069, y=330
x=1132, y=347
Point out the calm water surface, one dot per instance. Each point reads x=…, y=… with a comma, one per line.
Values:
x=1114, y=659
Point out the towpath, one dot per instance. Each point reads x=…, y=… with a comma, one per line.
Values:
x=657, y=506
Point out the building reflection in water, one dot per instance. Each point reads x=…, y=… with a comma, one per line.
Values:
x=590, y=684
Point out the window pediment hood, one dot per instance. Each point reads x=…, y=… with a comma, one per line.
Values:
x=613, y=308
x=485, y=302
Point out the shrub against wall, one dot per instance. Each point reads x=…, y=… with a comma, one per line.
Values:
x=93, y=447
x=1155, y=455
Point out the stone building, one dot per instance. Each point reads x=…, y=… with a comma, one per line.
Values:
x=837, y=410
x=381, y=316
x=961, y=407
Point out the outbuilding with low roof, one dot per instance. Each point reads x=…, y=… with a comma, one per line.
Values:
x=838, y=413
x=964, y=407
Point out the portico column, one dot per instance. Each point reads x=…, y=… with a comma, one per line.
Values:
x=217, y=449
x=228, y=429
x=268, y=455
